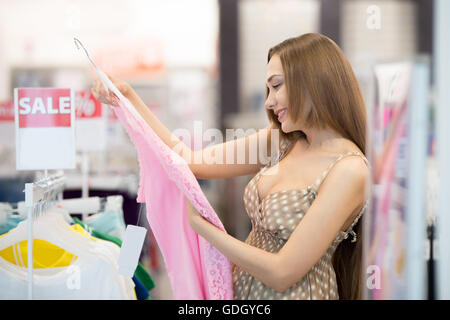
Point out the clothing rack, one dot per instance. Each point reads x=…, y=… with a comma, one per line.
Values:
x=39, y=196
x=81, y=205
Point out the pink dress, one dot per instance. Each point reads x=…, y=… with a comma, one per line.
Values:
x=196, y=269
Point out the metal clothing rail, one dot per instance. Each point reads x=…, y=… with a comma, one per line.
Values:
x=39, y=196
x=79, y=205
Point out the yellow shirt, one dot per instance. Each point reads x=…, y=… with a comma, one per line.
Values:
x=45, y=254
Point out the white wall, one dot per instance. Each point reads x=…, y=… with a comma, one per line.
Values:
x=363, y=41
x=263, y=24
x=40, y=33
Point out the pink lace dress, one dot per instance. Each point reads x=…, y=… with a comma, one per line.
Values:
x=196, y=269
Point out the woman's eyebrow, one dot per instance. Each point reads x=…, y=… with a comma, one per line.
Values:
x=270, y=78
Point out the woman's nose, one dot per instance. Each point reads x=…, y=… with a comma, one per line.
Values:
x=270, y=102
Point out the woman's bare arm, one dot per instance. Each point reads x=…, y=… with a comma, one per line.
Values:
x=236, y=157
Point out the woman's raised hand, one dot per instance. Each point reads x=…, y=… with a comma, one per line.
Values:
x=107, y=97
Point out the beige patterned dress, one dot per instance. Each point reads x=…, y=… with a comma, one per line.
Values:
x=273, y=220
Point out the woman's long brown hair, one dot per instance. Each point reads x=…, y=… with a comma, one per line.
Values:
x=316, y=71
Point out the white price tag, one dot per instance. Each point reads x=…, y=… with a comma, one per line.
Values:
x=131, y=250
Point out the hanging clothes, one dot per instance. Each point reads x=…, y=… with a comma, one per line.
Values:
x=8, y=219
x=48, y=255
x=140, y=274
x=196, y=269
x=59, y=274
x=94, y=281
x=110, y=221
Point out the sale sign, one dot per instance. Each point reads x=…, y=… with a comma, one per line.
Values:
x=7, y=111
x=45, y=128
x=87, y=106
x=91, y=122
x=7, y=137
x=44, y=108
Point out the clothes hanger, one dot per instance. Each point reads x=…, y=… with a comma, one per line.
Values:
x=107, y=83
x=49, y=226
x=103, y=78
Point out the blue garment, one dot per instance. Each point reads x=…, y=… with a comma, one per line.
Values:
x=141, y=292
x=110, y=222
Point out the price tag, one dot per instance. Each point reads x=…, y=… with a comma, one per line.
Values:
x=131, y=250
x=45, y=128
x=91, y=123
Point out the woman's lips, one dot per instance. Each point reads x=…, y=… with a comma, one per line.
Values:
x=282, y=115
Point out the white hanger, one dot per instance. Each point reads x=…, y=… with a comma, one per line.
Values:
x=107, y=83
x=53, y=228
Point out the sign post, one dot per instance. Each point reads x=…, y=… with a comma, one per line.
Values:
x=45, y=140
x=91, y=122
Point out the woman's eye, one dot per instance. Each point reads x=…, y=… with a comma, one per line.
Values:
x=277, y=85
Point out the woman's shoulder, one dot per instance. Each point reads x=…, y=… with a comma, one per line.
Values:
x=348, y=160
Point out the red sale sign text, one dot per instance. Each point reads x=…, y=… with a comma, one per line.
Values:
x=44, y=107
x=87, y=107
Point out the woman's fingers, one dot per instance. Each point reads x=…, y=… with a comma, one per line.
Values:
x=102, y=97
x=99, y=92
x=113, y=98
x=121, y=85
x=106, y=96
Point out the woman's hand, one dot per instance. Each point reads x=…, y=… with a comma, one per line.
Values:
x=193, y=215
x=108, y=97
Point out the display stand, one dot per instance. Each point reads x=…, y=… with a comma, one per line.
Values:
x=38, y=197
x=84, y=180
x=442, y=80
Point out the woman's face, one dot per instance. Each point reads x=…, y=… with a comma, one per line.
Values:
x=277, y=100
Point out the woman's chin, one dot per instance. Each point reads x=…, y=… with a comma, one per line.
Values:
x=285, y=127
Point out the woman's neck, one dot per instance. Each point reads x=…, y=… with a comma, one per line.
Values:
x=324, y=140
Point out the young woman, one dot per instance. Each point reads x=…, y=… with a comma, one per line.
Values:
x=302, y=213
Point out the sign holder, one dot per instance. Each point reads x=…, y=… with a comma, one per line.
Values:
x=38, y=195
x=45, y=140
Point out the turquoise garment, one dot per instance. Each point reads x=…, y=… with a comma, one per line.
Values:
x=110, y=222
x=11, y=223
x=8, y=219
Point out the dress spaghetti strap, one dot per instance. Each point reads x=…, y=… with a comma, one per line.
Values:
x=318, y=182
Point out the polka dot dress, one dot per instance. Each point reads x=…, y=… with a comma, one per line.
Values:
x=273, y=219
